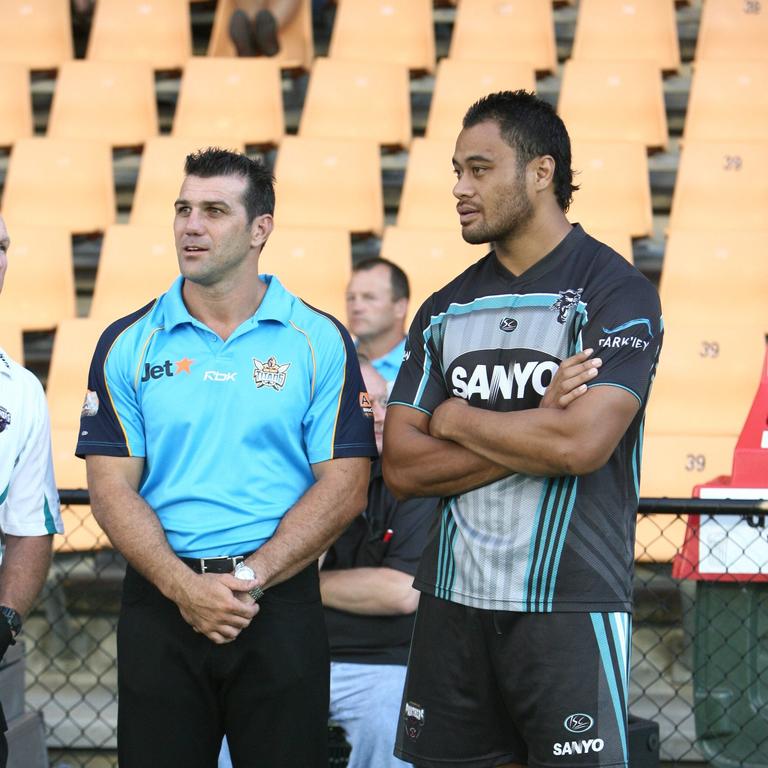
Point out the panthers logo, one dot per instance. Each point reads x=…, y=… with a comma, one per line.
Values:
x=565, y=301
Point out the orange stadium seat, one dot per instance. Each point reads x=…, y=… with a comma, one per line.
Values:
x=430, y=257
x=358, y=100
x=615, y=190
x=728, y=100
x=296, y=44
x=731, y=262
x=64, y=182
x=158, y=32
x=459, y=83
x=426, y=200
x=733, y=29
x=105, y=101
x=721, y=185
x=15, y=103
x=628, y=29
x=516, y=30
x=12, y=340
x=137, y=264
x=385, y=30
x=237, y=100
x=710, y=371
x=39, y=288
x=332, y=183
x=614, y=100
x=36, y=33
x=160, y=175
x=314, y=264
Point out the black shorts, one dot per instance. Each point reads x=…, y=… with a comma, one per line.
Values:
x=179, y=693
x=485, y=688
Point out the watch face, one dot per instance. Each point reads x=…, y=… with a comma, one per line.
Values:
x=244, y=572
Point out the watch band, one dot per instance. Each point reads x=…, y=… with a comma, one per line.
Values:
x=256, y=593
x=245, y=572
x=13, y=619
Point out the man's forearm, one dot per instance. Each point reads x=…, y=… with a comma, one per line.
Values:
x=313, y=523
x=370, y=591
x=23, y=571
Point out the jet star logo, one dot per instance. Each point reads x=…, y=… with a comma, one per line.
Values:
x=167, y=368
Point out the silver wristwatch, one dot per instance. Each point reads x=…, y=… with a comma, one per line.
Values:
x=245, y=573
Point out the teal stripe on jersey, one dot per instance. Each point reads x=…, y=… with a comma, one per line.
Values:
x=446, y=567
x=50, y=525
x=538, y=579
x=561, y=539
x=618, y=697
x=532, y=549
x=427, y=366
x=4, y=494
x=637, y=453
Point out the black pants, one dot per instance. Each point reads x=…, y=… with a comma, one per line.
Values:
x=179, y=693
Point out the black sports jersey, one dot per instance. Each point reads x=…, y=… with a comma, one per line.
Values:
x=530, y=543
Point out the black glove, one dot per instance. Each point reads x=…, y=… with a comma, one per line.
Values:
x=6, y=636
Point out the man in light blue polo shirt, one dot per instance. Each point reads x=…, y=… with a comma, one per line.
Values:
x=377, y=305
x=227, y=434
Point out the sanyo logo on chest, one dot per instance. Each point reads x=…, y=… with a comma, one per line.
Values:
x=582, y=747
x=515, y=375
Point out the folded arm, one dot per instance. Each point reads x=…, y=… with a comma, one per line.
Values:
x=372, y=591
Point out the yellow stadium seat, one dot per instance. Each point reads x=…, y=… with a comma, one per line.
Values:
x=157, y=32
x=615, y=190
x=39, y=288
x=137, y=263
x=614, y=100
x=506, y=30
x=429, y=257
x=160, y=176
x=733, y=29
x=332, y=183
x=728, y=100
x=314, y=264
x=73, y=347
x=15, y=103
x=12, y=340
x=732, y=263
x=36, y=33
x=628, y=29
x=460, y=83
x=710, y=368
x=385, y=30
x=237, y=100
x=426, y=200
x=63, y=182
x=104, y=101
x=721, y=185
x=358, y=100
x=296, y=44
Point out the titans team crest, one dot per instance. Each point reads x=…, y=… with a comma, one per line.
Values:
x=270, y=374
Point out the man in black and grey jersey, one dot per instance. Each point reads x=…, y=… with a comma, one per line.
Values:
x=520, y=654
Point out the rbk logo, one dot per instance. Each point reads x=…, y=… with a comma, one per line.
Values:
x=164, y=369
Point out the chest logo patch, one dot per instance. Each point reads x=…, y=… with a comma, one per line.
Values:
x=565, y=302
x=5, y=419
x=270, y=374
x=507, y=324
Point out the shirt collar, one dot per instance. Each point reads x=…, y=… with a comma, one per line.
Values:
x=276, y=304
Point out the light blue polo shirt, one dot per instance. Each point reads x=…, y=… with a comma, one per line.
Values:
x=388, y=365
x=228, y=429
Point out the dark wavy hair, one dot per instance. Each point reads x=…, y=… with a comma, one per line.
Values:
x=259, y=195
x=533, y=128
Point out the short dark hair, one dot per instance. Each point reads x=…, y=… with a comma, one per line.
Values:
x=398, y=278
x=533, y=128
x=259, y=195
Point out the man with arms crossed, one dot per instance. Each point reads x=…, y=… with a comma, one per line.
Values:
x=520, y=652
x=228, y=444
x=377, y=305
x=29, y=501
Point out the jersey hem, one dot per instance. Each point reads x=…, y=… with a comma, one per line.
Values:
x=84, y=449
x=523, y=606
x=469, y=762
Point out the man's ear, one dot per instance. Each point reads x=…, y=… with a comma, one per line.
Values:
x=401, y=308
x=543, y=171
x=261, y=229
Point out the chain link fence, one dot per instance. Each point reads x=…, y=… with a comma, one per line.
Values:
x=699, y=660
